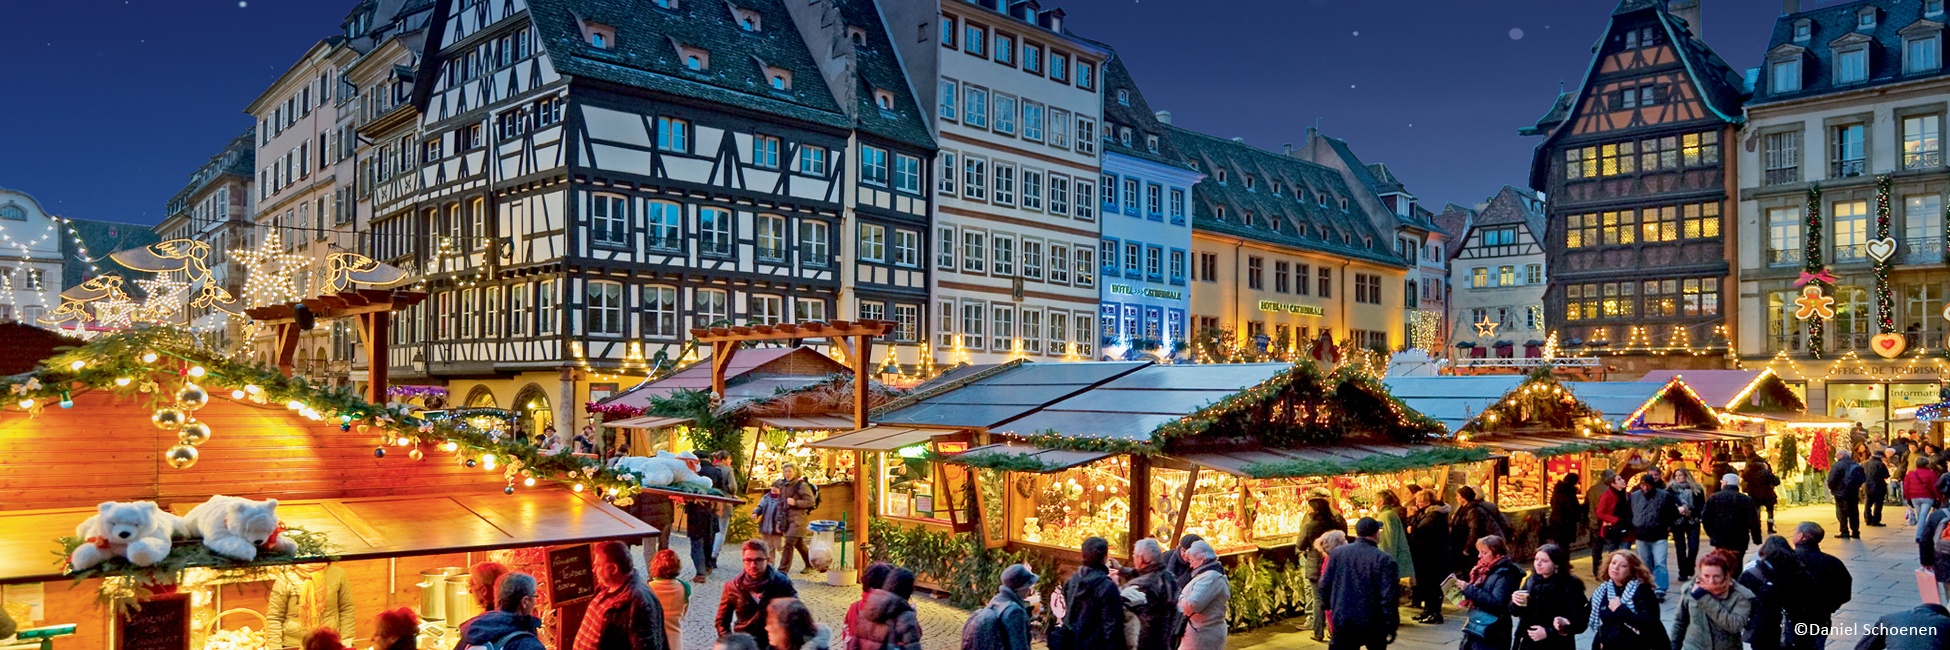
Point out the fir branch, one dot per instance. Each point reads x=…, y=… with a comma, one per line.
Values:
x=1376, y=464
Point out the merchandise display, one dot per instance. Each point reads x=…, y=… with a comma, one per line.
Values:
x=909, y=488
x=1277, y=507
x=1216, y=513
x=1525, y=485
x=1062, y=508
x=775, y=447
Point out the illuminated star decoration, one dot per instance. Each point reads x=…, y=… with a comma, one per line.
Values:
x=267, y=271
x=1812, y=303
x=1486, y=328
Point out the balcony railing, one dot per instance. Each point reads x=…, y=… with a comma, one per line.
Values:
x=1847, y=168
x=811, y=257
x=1923, y=160
x=771, y=254
x=1922, y=250
x=1851, y=252
x=1783, y=176
x=1784, y=257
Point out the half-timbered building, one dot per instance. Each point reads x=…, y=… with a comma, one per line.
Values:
x=1497, y=277
x=1637, y=165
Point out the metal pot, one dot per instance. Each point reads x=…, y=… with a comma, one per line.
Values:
x=460, y=600
x=433, y=594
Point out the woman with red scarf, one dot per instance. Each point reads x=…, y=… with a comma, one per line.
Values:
x=1487, y=596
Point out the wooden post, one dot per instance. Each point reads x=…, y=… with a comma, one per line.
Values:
x=861, y=350
x=287, y=342
x=374, y=330
x=1184, y=506
x=1141, y=494
x=721, y=353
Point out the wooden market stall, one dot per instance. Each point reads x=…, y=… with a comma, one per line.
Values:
x=401, y=505
x=1772, y=414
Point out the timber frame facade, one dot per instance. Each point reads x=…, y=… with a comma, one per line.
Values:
x=1637, y=164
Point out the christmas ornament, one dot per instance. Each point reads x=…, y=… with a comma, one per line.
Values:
x=1881, y=250
x=378, y=452
x=169, y=419
x=194, y=433
x=192, y=397
x=1812, y=303
x=416, y=454
x=181, y=456
x=508, y=490
x=1887, y=346
x=1486, y=328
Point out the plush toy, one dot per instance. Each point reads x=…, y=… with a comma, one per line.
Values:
x=238, y=528
x=137, y=530
x=660, y=470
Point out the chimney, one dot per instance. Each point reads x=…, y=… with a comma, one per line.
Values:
x=1790, y=7
x=1312, y=132
x=1164, y=117
x=1287, y=148
x=1688, y=10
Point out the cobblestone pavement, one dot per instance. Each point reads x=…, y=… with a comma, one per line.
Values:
x=940, y=624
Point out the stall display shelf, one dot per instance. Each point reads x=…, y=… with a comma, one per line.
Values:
x=1063, y=508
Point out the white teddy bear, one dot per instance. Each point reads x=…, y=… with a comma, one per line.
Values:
x=238, y=528
x=660, y=470
x=137, y=530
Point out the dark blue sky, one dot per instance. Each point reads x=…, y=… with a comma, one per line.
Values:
x=109, y=105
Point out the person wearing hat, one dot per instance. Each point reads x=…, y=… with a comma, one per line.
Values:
x=1360, y=590
x=1730, y=519
x=1003, y=624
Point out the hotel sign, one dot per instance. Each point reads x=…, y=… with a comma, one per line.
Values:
x=1128, y=290
x=1291, y=308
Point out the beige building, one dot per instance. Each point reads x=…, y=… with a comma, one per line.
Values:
x=1850, y=96
x=215, y=208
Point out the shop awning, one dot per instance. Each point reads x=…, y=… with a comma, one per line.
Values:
x=1236, y=462
x=367, y=528
x=808, y=422
x=1805, y=419
x=881, y=437
x=1701, y=435
x=1053, y=460
x=1535, y=443
x=647, y=422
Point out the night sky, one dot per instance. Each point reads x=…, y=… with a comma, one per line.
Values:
x=110, y=105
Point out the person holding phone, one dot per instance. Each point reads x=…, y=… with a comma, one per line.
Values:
x=1549, y=606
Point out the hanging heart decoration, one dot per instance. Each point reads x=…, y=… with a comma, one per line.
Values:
x=1881, y=250
x=1887, y=346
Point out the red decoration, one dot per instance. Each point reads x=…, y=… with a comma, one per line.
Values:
x=1819, y=456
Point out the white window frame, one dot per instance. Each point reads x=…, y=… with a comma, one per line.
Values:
x=604, y=308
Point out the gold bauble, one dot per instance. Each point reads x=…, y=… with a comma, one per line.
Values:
x=181, y=456
x=416, y=454
x=194, y=433
x=169, y=418
x=193, y=397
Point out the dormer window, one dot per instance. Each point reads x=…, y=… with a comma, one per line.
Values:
x=1249, y=181
x=748, y=20
x=1343, y=204
x=1151, y=143
x=601, y=37
x=1219, y=211
x=1124, y=135
x=883, y=99
x=1321, y=198
x=695, y=59
x=1222, y=177
x=1784, y=75
x=1277, y=187
x=778, y=78
x=1250, y=221
x=1922, y=48
x=1932, y=7
x=1123, y=97
x=1803, y=30
x=1865, y=18
x=857, y=35
x=1852, y=64
x=1275, y=225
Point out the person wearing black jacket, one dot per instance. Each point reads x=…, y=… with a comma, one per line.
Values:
x=1428, y=543
x=741, y=607
x=1688, y=498
x=1653, y=513
x=1830, y=584
x=1875, y=490
x=1095, y=616
x=1845, y=481
x=1320, y=520
x=1491, y=582
x=1759, y=481
x=1550, y=607
x=1181, y=571
x=1473, y=520
x=1567, y=513
x=1360, y=591
x=1730, y=518
x=1775, y=578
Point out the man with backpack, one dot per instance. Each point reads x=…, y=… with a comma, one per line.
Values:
x=800, y=497
x=1004, y=623
x=511, y=626
x=1758, y=481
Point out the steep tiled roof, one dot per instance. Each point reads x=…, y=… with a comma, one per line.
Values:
x=101, y=238
x=1832, y=22
x=879, y=67
x=645, y=53
x=1559, y=111
x=1137, y=115
x=238, y=158
x=1296, y=208
x=1377, y=178
x=1513, y=205
x=1455, y=220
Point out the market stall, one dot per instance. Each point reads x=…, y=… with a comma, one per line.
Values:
x=377, y=504
x=1771, y=413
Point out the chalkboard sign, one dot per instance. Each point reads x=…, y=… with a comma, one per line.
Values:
x=161, y=624
x=571, y=575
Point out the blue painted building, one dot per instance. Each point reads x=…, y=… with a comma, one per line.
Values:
x=1146, y=246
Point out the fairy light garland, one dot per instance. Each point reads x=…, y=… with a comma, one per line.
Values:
x=1811, y=263
x=1885, y=307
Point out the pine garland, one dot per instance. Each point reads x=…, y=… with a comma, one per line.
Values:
x=1885, y=308
x=1602, y=446
x=125, y=585
x=1376, y=464
x=1811, y=263
x=994, y=460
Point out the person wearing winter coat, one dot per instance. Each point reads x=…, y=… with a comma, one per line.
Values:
x=1730, y=518
x=1394, y=533
x=870, y=580
x=1613, y=511
x=798, y=495
x=741, y=607
x=1474, y=519
x=1492, y=580
x=1919, y=487
x=1008, y=613
x=1830, y=584
x=1774, y=578
x=1428, y=542
x=1549, y=607
x=1320, y=521
x=1360, y=590
x=1151, y=614
x=1932, y=551
x=1567, y=514
x=1181, y=571
x=1759, y=481
x=623, y=615
x=1653, y=513
x=1624, y=613
x=1930, y=623
x=789, y=625
x=1687, y=499
x=1875, y=490
x=673, y=594
x=511, y=625
x=1203, y=602
x=309, y=596
x=1713, y=614
x=1094, y=610
x=888, y=621
x=1845, y=479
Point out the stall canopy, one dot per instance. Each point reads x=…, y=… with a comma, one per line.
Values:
x=1453, y=400
x=1133, y=405
x=647, y=422
x=1636, y=404
x=1747, y=391
x=806, y=422
x=883, y=437
x=1251, y=463
x=1050, y=460
x=755, y=373
x=1002, y=394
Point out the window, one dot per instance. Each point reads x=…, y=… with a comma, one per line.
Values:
x=975, y=178
x=609, y=217
x=1784, y=228
x=1281, y=276
x=1847, y=151
x=1085, y=277
x=815, y=243
x=1786, y=76
x=1133, y=254
x=1302, y=279
x=1032, y=58
x=1003, y=329
x=1059, y=67
x=1005, y=114
x=1177, y=266
x=1702, y=296
x=1506, y=276
x=660, y=311
x=1781, y=154
x=808, y=310
x=601, y=37
x=907, y=173
x=766, y=310
x=1920, y=54
x=1852, y=66
x=545, y=307
x=973, y=322
x=1032, y=189
x=873, y=311
x=944, y=324
x=1851, y=222
x=1255, y=273
x=873, y=243
x=1367, y=288
x=907, y=248
x=1661, y=298
x=1059, y=332
x=1005, y=184
x=1086, y=201
x=1086, y=136
x=1479, y=277
x=1005, y=256
x=1005, y=49
x=1701, y=148
x=1131, y=204
x=663, y=224
x=873, y=166
x=1032, y=331
x=948, y=40
x=1701, y=220
x=1922, y=143
x=714, y=231
x=674, y=134
x=1032, y=259
x=747, y=19
x=944, y=244
x=1082, y=345
x=1059, y=194
x=518, y=306
x=468, y=313
x=1326, y=282
x=812, y=160
x=1086, y=75
x=605, y=308
x=1154, y=200
x=1922, y=228
x=765, y=151
x=1032, y=121
x=975, y=40
x=1659, y=224
x=974, y=251
x=944, y=173
x=1059, y=264
x=975, y=109
x=1109, y=248
x=948, y=90
x=771, y=237
x=907, y=323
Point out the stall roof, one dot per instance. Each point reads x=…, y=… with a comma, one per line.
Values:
x=1010, y=393
x=1694, y=434
x=811, y=366
x=1236, y=462
x=881, y=437
x=1053, y=460
x=647, y=422
x=1454, y=400
x=376, y=527
x=1618, y=400
x=1719, y=388
x=1534, y=443
x=1132, y=406
x=813, y=422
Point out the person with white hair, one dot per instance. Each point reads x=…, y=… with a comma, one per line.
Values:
x=1203, y=603
x=1730, y=518
x=1148, y=595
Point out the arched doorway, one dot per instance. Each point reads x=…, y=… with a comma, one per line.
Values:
x=533, y=413
x=480, y=397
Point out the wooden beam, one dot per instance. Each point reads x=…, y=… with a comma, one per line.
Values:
x=374, y=331
x=859, y=356
x=1184, y=505
x=721, y=353
x=287, y=341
